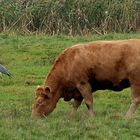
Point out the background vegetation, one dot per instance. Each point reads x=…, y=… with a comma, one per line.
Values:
x=29, y=59
x=70, y=17
x=30, y=54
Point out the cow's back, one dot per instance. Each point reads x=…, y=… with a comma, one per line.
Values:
x=102, y=60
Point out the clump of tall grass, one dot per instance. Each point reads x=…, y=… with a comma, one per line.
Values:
x=70, y=17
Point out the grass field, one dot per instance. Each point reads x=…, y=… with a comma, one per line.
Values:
x=29, y=59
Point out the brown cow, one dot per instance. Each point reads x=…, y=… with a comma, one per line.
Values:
x=85, y=68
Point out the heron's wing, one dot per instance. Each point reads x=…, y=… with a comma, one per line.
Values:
x=4, y=70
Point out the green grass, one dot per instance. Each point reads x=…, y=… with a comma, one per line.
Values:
x=29, y=59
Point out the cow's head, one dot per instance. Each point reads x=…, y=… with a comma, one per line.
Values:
x=43, y=102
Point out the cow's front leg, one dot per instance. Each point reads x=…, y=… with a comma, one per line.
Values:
x=76, y=104
x=135, y=101
x=85, y=90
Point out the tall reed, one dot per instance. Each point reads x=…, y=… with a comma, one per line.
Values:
x=70, y=17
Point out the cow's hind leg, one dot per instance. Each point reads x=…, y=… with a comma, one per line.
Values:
x=85, y=90
x=76, y=104
x=135, y=100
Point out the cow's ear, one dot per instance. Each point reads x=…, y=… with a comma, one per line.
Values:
x=48, y=92
x=39, y=90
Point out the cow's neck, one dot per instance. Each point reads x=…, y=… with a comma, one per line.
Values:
x=54, y=77
x=55, y=99
x=53, y=82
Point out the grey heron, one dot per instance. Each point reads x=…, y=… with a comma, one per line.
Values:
x=4, y=71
